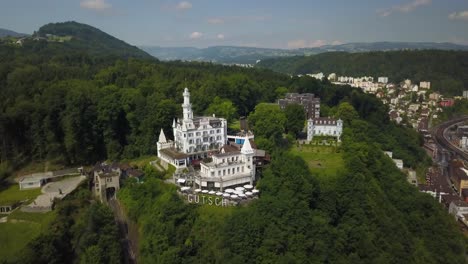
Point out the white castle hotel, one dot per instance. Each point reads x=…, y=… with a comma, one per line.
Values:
x=203, y=137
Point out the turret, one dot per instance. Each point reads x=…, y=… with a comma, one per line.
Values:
x=187, y=106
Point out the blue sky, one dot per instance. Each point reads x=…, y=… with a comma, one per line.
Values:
x=262, y=23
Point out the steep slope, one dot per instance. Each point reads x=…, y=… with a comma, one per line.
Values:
x=91, y=40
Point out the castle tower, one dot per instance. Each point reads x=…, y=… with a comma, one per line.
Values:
x=248, y=155
x=187, y=106
x=162, y=142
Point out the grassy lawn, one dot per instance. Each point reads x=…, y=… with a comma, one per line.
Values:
x=140, y=162
x=20, y=229
x=14, y=194
x=323, y=161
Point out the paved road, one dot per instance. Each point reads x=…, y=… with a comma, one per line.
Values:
x=128, y=231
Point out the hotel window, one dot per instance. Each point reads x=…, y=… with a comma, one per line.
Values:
x=185, y=135
x=198, y=133
x=242, y=168
x=217, y=130
x=237, y=169
x=219, y=173
x=224, y=172
x=211, y=131
x=212, y=174
x=229, y=171
x=190, y=141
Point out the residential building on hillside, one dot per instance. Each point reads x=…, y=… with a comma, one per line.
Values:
x=310, y=103
x=382, y=80
x=465, y=94
x=324, y=126
x=425, y=85
x=318, y=76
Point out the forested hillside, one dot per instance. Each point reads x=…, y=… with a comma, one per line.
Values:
x=91, y=40
x=446, y=70
x=74, y=107
x=366, y=213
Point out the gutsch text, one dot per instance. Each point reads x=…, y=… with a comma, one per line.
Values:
x=206, y=199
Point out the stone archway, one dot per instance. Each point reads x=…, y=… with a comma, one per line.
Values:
x=110, y=193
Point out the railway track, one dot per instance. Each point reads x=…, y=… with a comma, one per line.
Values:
x=438, y=135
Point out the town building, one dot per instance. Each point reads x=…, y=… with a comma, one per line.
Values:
x=382, y=80
x=459, y=176
x=324, y=126
x=106, y=179
x=310, y=103
x=229, y=167
x=318, y=76
x=448, y=102
x=194, y=137
x=460, y=210
x=332, y=77
x=398, y=162
x=465, y=94
x=464, y=143
x=425, y=85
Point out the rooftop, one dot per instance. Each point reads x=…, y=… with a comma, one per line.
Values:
x=173, y=153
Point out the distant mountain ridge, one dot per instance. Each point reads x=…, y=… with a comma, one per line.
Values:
x=249, y=55
x=10, y=33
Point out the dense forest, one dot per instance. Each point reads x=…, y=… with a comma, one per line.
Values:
x=446, y=70
x=368, y=213
x=82, y=232
x=77, y=107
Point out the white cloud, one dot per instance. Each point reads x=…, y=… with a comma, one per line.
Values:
x=215, y=21
x=463, y=15
x=220, y=36
x=403, y=8
x=196, y=35
x=98, y=5
x=184, y=5
x=336, y=42
x=238, y=19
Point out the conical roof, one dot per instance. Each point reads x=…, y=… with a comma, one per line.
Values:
x=246, y=147
x=162, y=137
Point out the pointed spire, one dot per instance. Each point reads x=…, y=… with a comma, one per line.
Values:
x=247, y=148
x=162, y=137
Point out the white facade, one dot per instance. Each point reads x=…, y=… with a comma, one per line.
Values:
x=324, y=127
x=398, y=163
x=425, y=85
x=228, y=169
x=318, y=76
x=194, y=137
x=199, y=134
x=464, y=143
x=382, y=80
